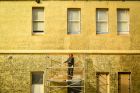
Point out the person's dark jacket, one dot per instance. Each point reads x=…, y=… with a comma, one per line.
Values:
x=70, y=61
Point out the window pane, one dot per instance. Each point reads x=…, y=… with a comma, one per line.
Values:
x=37, y=78
x=122, y=26
x=38, y=14
x=101, y=20
x=73, y=15
x=101, y=27
x=102, y=14
x=74, y=27
x=123, y=20
x=38, y=26
x=123, y=15
x=74, y=21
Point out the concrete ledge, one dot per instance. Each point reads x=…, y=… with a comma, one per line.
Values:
x=71, y=51
x=70, y=0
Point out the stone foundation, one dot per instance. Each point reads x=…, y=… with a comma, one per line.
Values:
x=16, y=69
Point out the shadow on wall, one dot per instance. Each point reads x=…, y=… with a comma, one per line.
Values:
x=130, y=62
x=90, y=77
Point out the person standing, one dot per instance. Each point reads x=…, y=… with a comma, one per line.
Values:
x=70, y=62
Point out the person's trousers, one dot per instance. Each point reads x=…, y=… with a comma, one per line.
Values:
x=70, y=72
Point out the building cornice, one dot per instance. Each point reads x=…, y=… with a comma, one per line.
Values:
x=70, y=0
x=69, y=51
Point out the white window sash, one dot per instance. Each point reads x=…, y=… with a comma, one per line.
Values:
x=126, y=21
x=71, y=21
x=74, y=20
x=101, y=31
x=98, y=20
x=70, y=27
x=37, y=20
x=40, y=28
x=127, y=25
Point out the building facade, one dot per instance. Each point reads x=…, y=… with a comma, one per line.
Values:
x=37, y=36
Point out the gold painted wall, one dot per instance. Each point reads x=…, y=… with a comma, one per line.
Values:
x=16, y=26
x=16, y=34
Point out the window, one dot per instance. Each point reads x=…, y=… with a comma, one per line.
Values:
x=124, y=82
x=37, y=82
x=102, y=82
x=73, y=21
x=38, y=20
x=123, y=21
x=101, y=21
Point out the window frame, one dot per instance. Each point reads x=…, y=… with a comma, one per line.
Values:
x=123, y=21
x=31, y=83
x=37, y=21
x=73, y=21
x=102, y=21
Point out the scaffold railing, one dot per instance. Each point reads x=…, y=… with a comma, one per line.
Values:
x=58, y=77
